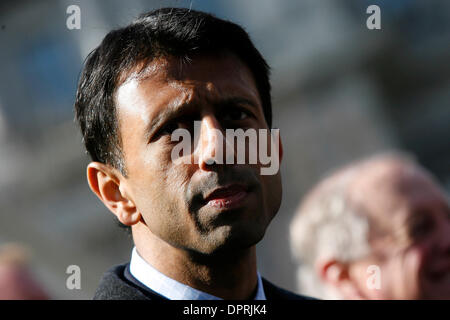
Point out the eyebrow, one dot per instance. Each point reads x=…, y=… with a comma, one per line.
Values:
x=175, y=111
x=237, y=100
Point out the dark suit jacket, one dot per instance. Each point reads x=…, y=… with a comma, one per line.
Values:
x=118, y=284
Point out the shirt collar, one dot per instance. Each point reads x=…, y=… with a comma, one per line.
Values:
x=170, y=288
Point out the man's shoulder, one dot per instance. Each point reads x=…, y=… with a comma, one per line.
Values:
x=274, y=292
x=118, y=284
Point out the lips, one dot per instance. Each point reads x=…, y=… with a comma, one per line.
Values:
x=226, y=197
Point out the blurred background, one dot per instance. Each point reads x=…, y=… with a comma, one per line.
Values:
x=340, y=92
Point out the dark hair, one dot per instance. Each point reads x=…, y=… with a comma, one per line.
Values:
x=175, y=32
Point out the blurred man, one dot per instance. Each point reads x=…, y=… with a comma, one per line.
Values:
x=377, y=229
x=195, y=224
x=16, y=281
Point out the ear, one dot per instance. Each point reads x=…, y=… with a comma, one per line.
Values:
x=336, y=275
x=110, y=187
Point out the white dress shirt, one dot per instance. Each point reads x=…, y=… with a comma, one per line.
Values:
x=170, y=288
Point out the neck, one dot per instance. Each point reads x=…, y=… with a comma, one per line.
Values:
x=228, y=275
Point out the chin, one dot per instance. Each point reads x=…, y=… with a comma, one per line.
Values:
x=228, y=239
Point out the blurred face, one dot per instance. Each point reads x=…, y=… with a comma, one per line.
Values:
x=16, y=283
x=200, y=206
x=412, y=247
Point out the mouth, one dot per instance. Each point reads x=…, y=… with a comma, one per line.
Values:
x=229, y=197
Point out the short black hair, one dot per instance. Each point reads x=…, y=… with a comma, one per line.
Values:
x=174, y=32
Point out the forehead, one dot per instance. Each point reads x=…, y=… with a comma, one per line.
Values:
x=396, y=192
x=168, y=81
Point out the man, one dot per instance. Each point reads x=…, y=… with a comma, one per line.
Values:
x=194, y=224
x=377, y=229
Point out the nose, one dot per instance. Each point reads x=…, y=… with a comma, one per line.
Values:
x=210, y=148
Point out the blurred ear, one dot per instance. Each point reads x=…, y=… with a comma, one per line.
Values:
x=337, y=275
x=110, y=187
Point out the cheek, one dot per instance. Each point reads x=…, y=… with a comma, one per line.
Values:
x=177, y=178
x=149, y=174
x=271, y=193
x=413, y=268
x=402, y=278
x=159, y=195
x=166, y=180
x=367, y=279
x=270, y=179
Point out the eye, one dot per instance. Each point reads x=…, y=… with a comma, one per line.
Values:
x=421, y=225
x=166, y=130
x=185, y=122
x=235, y=114
x=169, y=128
